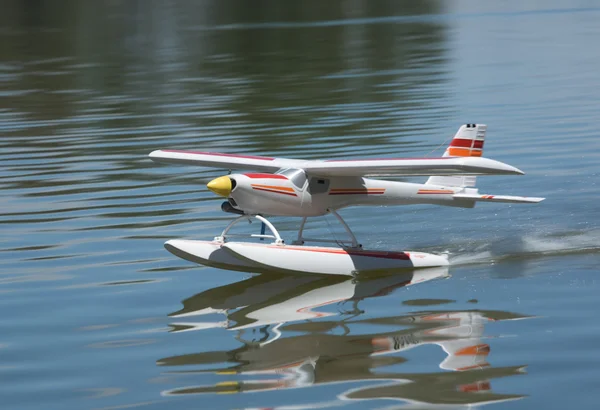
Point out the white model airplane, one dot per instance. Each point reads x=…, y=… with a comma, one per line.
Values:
x=303, y=188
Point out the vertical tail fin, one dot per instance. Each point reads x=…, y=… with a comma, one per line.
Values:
x=468, y=142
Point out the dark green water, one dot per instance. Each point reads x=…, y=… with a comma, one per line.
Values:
x=95, y=314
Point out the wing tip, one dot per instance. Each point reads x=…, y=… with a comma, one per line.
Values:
x=489, y=166
x=500, y=198
x=531, y=200
x=156, y=154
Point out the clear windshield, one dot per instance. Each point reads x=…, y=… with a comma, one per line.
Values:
x=297, y=176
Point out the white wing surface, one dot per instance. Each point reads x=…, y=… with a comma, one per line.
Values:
x=500, y=198
x=219, y=160
x=411, y=166
x=330, y=168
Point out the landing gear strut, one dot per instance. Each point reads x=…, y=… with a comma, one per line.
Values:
x=351, y=242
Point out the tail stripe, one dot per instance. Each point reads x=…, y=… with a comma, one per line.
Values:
x=467, y=142
x=459, y=152
x=460, y=142
x=464, y=152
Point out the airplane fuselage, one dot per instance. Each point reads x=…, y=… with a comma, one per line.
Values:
x=294, y=194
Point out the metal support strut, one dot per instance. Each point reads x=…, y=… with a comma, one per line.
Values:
x=274, y=234
x=353, y=242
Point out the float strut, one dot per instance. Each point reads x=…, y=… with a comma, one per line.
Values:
x=262, y=230
x=355, y=243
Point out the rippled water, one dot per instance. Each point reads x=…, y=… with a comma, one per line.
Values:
x=96, y=314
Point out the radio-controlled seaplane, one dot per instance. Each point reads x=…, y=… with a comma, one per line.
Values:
x=310, y=188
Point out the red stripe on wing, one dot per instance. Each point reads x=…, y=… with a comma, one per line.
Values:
x=219, y=154
x=382, y=159
x=266, y=176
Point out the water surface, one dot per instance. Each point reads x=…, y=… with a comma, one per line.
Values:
x=97, y=315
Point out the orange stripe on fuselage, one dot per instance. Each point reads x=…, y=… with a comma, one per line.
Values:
x=275, y=191
x=274, y=187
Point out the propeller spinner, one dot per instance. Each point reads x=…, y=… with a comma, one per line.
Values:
x=221, y=186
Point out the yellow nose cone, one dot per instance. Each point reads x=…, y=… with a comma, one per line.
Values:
x=220, y=186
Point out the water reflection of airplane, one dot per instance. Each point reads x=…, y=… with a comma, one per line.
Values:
x=322, y=352
x=277, y=298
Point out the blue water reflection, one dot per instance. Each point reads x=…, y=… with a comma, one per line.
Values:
x=287, y=341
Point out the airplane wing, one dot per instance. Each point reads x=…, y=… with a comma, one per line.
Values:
x=331, y=168
x=226, y=161
x=411, y=166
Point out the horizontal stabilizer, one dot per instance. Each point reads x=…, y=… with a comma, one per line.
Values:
x=499, y=198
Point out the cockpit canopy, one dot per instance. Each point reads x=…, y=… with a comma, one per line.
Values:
x=297, y=176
